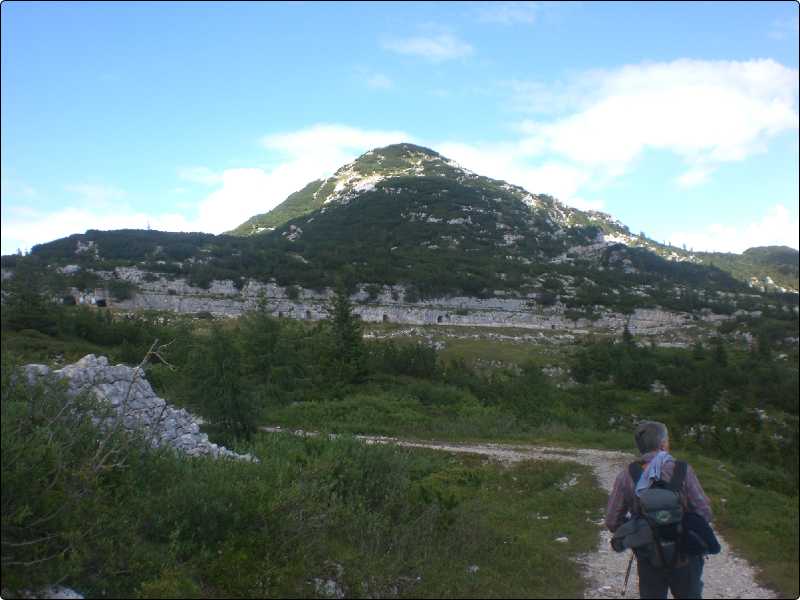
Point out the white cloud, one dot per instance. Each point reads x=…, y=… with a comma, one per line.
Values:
x=594, y=128
x=706, y=112
x=508, y=13
x=202, y=175
x=584, y=204
x=694, y=177
x=243, y=193
x=330, y=140
x=306, y=154
x=92, y=194
x=511, y=163
x=435, y=48
x=778, y=227
x=25, y=228
x=379, y=81
x=94, y=206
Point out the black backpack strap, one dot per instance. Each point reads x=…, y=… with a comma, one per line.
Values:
x=678, y=476
x=635, y=469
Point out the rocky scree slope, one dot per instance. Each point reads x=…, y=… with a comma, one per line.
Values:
x=126, y=400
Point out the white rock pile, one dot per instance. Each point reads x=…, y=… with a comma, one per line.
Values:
x=133, y=405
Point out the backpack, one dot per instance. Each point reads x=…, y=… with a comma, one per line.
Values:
x=656, y=528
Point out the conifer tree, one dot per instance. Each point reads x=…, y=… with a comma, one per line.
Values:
x=216, y=385
x=25, y=305
x=719, y=354
x=347, y=347
x=627, y=337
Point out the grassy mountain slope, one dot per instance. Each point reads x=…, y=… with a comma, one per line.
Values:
x=297, y=204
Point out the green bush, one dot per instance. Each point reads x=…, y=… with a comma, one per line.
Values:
x=57, y=468
x=172, y=582
x=414, y=360
x=120, y=289
x=766, y=478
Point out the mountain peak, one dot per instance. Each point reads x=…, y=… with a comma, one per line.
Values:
x=398, y=160
x=363, y=174
x=404, y=150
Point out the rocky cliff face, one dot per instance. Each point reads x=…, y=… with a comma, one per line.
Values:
x=133, y=405
x=388, y=304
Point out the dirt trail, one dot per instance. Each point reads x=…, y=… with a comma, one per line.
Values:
x=726, y=575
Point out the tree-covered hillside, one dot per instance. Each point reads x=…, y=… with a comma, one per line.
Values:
x=405, y=215
x=779, y=263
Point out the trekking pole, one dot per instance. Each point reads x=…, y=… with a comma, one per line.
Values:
x=627, y=575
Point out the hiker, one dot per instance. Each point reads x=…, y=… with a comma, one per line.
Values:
x=661, y=567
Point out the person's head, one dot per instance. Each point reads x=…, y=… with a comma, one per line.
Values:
x=650, y=436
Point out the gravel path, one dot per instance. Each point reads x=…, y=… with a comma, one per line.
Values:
x=726, y=575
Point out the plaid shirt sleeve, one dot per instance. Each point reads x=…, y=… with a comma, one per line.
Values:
x=619, y=502
x=695, y=496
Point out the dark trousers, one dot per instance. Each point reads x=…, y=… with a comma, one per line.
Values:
x=684, y=582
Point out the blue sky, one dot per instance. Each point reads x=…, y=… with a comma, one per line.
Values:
x=680, y=119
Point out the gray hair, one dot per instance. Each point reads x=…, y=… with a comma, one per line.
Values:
x=650, y=435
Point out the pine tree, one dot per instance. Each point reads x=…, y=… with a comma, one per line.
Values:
x=347, y=346
x=216, y=385
x=25, y=305
x=627, y=337
x=719, y=355
x=260, y=334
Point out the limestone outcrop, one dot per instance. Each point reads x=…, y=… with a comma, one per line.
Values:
x=133, y=405
x=388, y=304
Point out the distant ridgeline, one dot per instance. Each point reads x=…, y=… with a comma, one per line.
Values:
x=406, y=216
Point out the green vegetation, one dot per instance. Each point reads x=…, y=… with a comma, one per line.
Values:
x=214, y=380
x=370, y=521
x=732, y=405
x=438, y=230
x=395, y=159
x=371, y=518
x=121, y=289
x=300, y=203
x=755, y=519
x=345, y=358
x=778, y=262
x=25, y=306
